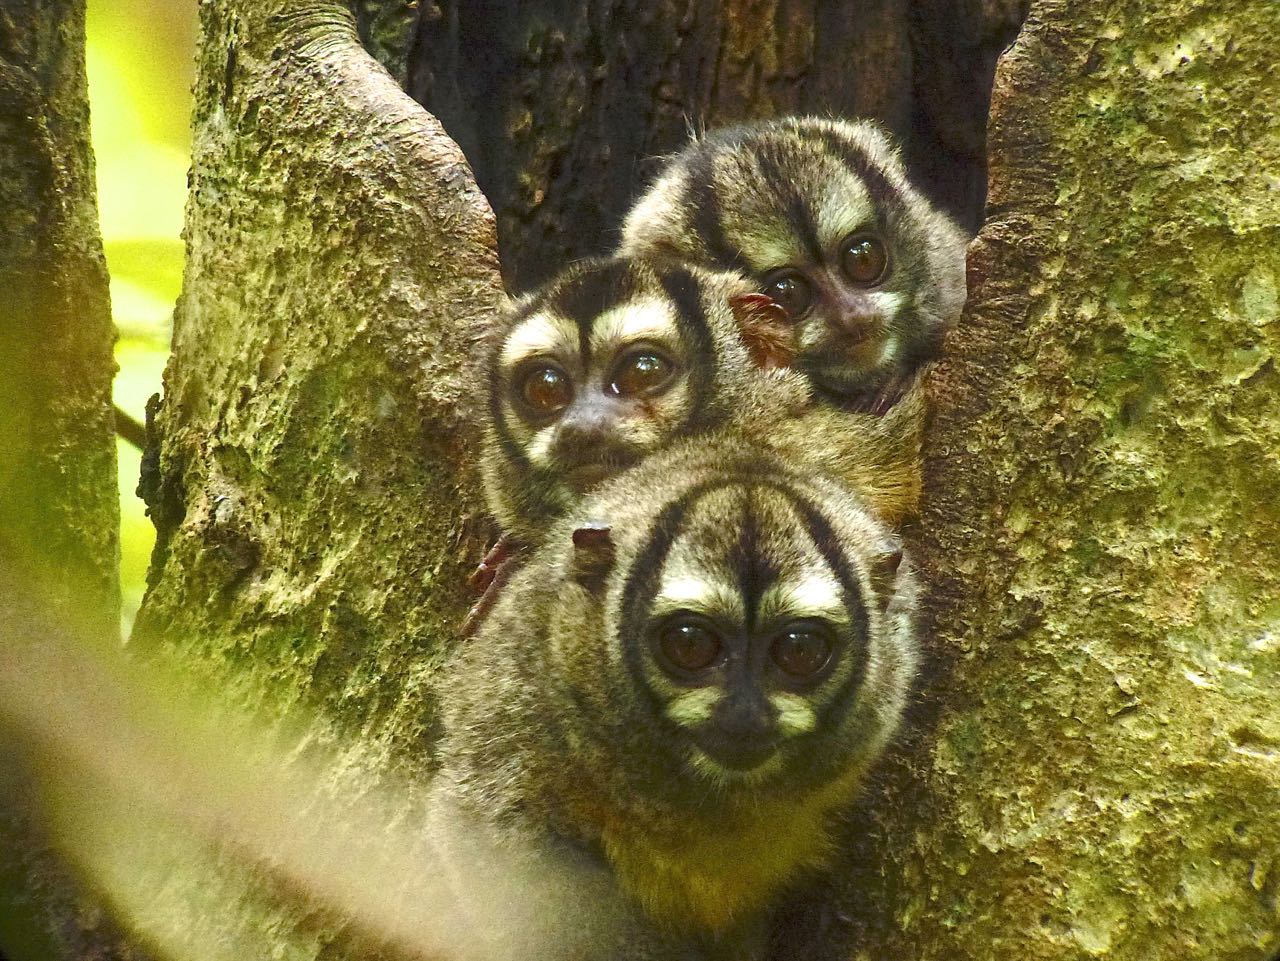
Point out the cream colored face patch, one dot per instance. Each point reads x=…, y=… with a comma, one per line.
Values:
x=844, y=208
x=694, y=708
x=795, y=714
x=768, y=246
x=816, y=595
x=540, y=334
x=683, y=591
x=649, y=319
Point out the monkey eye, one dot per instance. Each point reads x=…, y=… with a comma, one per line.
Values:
x=689, y=645
x=802, y=651
x=864, y=259
x=545, y=389
x=641, y=372
x=791, y=291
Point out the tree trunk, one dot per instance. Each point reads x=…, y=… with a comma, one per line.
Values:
x=313, y=492
x=561, y=106
x=312, y=485
x=1102, y=527
x=59, y=512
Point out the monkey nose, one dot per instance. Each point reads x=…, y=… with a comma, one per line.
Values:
x=740, y=735
x=588, y=427
x=853, y=316
x=853, y=327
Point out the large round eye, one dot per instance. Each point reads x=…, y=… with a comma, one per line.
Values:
x=546, y=389
x=641, y=372
x=791, y=291
x=802, y=651
x=689, y=645
x=863, y=259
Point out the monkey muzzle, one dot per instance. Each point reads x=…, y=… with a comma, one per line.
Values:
x=589, y=446
x=584, y=467
x=741, y=735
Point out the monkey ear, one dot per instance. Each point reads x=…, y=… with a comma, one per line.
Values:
x=884, y=569
x=763, y=326
x=593, y=553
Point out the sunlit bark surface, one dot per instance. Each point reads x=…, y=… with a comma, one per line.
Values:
x=311, y=482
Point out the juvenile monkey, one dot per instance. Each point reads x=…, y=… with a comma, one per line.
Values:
x=821, y=216
x=611, y=361
x=676, y=692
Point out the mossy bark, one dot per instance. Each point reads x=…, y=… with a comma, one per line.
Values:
x=561, y=107
x=59, y=512
x=313, y=490
x=384, y=28
x=1100, y=771
x=310, y=477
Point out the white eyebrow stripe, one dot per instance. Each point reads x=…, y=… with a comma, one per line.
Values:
x=541, y=333
x=703, y=594
x=651, y=318
x=769, y=246
x=817, y=594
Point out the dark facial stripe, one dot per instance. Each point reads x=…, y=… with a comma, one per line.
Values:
x=685, y=292
x=512, y=450
x=706, y=210
x=770, y=156
x=828, y=543
x=755, y=572
x=885, y=196
x=593, y=288
x=642, y=584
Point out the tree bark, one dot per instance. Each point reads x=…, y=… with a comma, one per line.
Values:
x=59, y=512
x=313, y=492
x=384, y=28
x=1101, y=776
x=561, y=107
x=313, y=488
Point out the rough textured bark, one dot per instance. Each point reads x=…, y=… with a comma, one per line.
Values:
x=1102, y=528
x=561, y=106
x=59, y=513
x=309, y=479
x=312, y=488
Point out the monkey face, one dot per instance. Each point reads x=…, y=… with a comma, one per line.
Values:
x=753, y=624
x=585, y=403
x=608, y=363
x=820, y=214
x=838, y=251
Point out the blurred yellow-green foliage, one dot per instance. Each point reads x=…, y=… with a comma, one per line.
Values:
x=140, y=62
